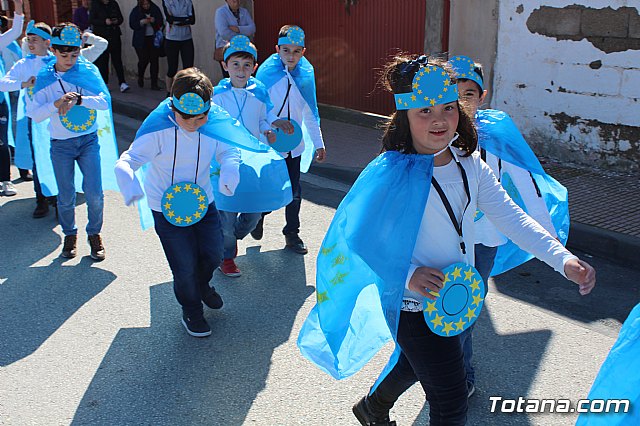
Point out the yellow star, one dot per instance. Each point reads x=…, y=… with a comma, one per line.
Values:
x=447, y=328
x=444, y=89
x=339, y=278
x=471, y=313
x=322, y=297
x=432, y=102
x=65, y=120
x=444, y=73
x=437, y=320
x=426, y=99
x=413, y=98
x=169, y=196
x=197, y=191
x=188, y=219
x=440, y=96
x=76, y=128
x=339, y=260
x=476, y=300
x=201, y=198
x=170, y=214
x=446, y=279
x=431, y=307
x=187, y=187
x=468, y=274
x=202, y=207
x=419, y=92
x=414, y=85
x=447, y=82
x=327, y=250
x=475, y=285
x=460, y=324
x=167, y=205
x=197, y=215
x=83, y=127
x=400, y=101
x=177, y=188
x=456, y=272
x=428, y=69
x=178, y=219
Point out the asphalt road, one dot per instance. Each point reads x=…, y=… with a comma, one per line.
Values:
x=101, y=343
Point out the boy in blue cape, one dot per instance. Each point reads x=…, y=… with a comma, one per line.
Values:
x=264, y=181
x=290, y=79
x=70, y=93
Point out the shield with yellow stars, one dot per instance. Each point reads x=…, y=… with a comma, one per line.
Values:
x=458, y=303
x=184, y=204
x=285, y=142
x=79, y=119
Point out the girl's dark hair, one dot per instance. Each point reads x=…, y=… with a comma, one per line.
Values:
x=191, y=80
x=57, y=30
x=397, y=134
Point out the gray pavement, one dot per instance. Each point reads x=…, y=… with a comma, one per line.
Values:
x=101, y=343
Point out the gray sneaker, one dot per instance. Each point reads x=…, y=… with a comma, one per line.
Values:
x=8, y=189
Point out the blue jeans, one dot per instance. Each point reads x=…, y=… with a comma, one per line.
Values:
x=484, y=257
x=86, y=151
x=236, y=226
x=436, y=362
x=193, y=252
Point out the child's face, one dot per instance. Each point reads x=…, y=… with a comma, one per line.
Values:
x=239, y=69
x=65, y=60
x=290, y=54
x=471, y=96
x=192, y=123
x=37, y=45
x=432, y=128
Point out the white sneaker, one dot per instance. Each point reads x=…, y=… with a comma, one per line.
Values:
x=124, y=87
x=8, y=189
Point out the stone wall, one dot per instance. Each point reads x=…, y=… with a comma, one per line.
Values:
x=569, y=74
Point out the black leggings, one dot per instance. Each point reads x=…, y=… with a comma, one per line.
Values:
x=5, y=154
x=172, y=48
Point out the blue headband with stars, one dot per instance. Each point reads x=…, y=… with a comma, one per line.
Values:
x=295, y=36
x=240, y=43
x=33, y=30
x=431, y=86
x=466, y=68
x=191, y=103
x=69, y=36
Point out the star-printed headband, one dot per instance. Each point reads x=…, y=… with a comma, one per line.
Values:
x=191, y=103
x=69, y=36
x=466, y=68
x=431, y=86
x=240, y=43
x=33, y=30
x=295, y=36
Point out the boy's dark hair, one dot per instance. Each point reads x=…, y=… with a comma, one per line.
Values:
x=397, y=134
x=191, y=80
x=240, y=55
x=477, y=68
x=56, y=31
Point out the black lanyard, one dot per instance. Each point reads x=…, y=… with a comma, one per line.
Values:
x=483, y=155
x=175, y=151
x=286, y=98
x=65, y=92
x=447, y=204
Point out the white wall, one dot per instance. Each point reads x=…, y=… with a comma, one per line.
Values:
x=565, y=108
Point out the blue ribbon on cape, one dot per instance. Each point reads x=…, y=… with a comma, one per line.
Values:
x=498, y=134
x=85, y=75
x=273, y=70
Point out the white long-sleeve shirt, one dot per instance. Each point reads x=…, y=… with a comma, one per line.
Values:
x=255, y=117
x=13, y=33
x=299, y=109
x=486, y=232
x=158, y=150
x=438, y=244
x=43, y=107
x=21, y=71
x=91, y=53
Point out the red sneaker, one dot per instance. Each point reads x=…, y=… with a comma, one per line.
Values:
x=229, y=268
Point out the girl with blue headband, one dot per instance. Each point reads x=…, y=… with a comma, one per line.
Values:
x=397, y=260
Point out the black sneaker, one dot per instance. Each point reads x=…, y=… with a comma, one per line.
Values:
x=97, y=249
x=366, y=418
x=26, y=175
x=42, y=208
x=213, y=300
x=294, y=243
x=69, y=247
x=258, y=231
x=196, y=327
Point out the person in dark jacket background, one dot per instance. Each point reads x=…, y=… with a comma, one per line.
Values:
x=105, y=17
x=145, y=19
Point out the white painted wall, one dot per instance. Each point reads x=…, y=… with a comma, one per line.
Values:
x=529, y=70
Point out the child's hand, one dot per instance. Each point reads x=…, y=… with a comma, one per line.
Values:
x=284, y=125
x=581, y=273
x=426, y=280
x=17, y=6
x=66, y=102
x=321, y=154
x=271, y=136
x=29, y=83
x=229, y=179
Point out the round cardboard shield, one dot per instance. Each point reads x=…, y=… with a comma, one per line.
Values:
x=285, y=142
x=78, y=119
x=184, y=204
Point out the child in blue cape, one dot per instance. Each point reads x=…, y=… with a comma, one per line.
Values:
x=290, y=78
x=515, y=165
x=176, y=145
x=397, y=259
x=264, y=181
x=70, y=94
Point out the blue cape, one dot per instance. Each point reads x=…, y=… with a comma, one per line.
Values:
x=86, y=76
x=498, y=134
x=363, y=264
x=273, y=70
x=220, y=126
x=5, y=98
x=254, y=86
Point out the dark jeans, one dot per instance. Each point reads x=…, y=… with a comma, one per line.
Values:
x=292, y=211
x=172, y=48
x=436, y=362
x=115, y=51
x=484, y=257
x=193, y=252
x=5, y=153
x=36, y=181
x=148, y=56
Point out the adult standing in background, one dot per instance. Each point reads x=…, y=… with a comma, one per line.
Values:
x=81, y=16
x=231, y=20
x=145, y=19
x=177, y=39
x=105, y=17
